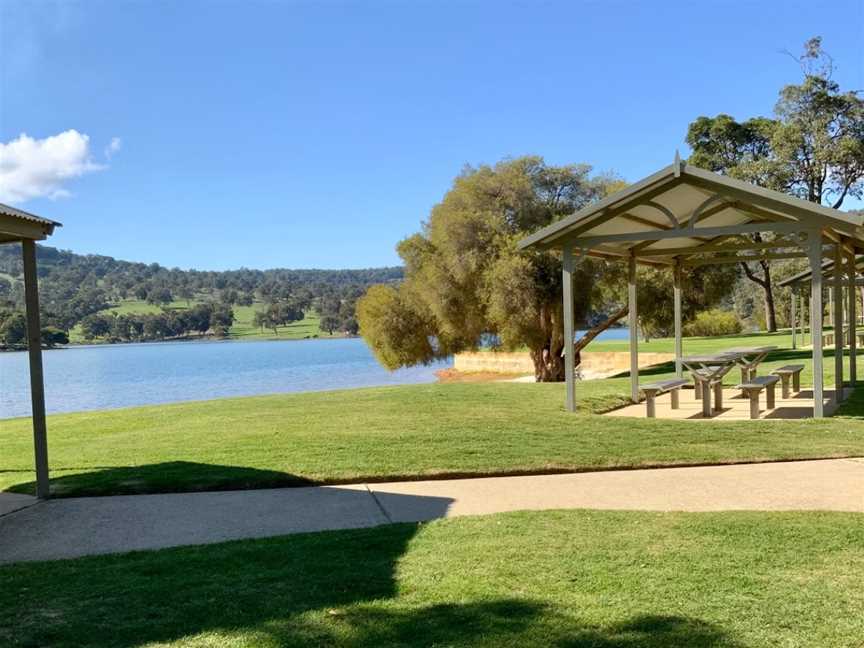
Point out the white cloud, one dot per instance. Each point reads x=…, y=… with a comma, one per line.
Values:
x=35, y=168
x=113, y=146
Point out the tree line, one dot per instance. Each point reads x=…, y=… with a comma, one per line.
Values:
x=74, y=288
x=142, y=327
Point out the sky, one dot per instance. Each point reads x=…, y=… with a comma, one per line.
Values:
x=219, y=135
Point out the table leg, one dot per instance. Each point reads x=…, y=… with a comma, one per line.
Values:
x=718, y=396
x=706, y=399
x=769, y=398
x=697, y=388
x=674, y=397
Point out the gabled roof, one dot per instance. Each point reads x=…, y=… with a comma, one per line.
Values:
x=17, y=224
x=681, y=209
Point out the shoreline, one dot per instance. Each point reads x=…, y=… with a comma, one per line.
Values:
x=206, y=339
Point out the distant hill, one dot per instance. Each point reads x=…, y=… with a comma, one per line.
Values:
x=75, y=286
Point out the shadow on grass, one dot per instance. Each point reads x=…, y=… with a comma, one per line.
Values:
x=324, y=589
x=165, y=477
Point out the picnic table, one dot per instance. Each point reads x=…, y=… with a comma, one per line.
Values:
x=749, y=359
x=708, y=371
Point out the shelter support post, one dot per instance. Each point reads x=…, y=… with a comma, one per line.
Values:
x=853, y=319
x=838, y=323
x=569, y=354
x=37, y=387
x=792, y=320
x=633, y=322
x=803, y=317
x=814, y=252
x=676, y=288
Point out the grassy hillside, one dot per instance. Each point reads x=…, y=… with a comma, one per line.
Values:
x=243, y=328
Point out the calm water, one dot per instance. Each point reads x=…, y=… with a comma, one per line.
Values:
x=123, y=375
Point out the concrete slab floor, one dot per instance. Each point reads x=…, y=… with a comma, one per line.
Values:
x=69, y=528
x=735, y=407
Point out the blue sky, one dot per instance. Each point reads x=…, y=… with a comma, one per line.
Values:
x=289, y=134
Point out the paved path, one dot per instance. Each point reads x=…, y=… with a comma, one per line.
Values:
x=67, y=528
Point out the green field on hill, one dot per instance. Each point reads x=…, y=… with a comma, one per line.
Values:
x=243, y=328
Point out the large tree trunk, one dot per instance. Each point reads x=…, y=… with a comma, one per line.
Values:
x=548, y=361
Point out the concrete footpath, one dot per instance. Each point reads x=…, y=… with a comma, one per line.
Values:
x=68, y=528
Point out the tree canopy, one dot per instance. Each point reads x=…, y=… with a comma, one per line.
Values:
x=466, y=281
x=812, y=147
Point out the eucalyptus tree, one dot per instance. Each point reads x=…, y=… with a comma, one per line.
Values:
x=812, y=148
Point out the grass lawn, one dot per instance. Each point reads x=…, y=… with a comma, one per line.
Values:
x=694, y=345
x=391, y=433
x=556, y=578
x=243, y=328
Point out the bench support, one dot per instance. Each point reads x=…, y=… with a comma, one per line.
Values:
x=784, y=381
x=754, y=402
x=770, y=402
x=651, y=405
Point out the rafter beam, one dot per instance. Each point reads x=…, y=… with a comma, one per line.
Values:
x=614, y=210
x=707, y=213
x=765, y=256
x=722, y=247
x=755, y=199
x=743, y=228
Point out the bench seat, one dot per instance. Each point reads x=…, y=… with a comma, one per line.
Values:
x=652, y=390
x=787, y=371
x=754, y=387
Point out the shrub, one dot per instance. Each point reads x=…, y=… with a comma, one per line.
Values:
x=713, y=322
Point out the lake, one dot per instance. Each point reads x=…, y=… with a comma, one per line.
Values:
x=124, y=375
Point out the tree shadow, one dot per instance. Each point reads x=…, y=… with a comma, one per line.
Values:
x=164, y=477
x=324, y=589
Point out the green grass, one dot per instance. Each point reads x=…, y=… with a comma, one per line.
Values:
x=573, y=579
x=696, y=345
x=243, y=328
x=392, y=433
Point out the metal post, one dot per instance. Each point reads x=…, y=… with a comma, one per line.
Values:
x=34, y=349
x=838, y=323
x=814, y=252
x=853, y=321
x=792, y=319
x=803, y=317
x=634, y=331
x=569, y=355
x=676, y=290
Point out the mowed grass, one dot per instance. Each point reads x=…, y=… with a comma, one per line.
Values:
x=557, y=578
x=243, y=328
x=402, y=432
